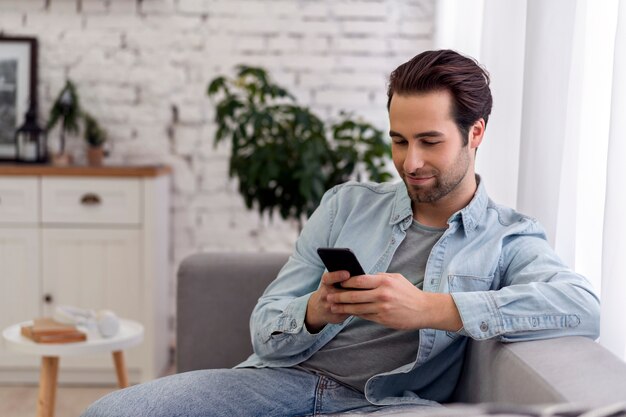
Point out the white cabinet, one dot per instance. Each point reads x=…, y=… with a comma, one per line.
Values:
x=19, y=284
x=95, y=241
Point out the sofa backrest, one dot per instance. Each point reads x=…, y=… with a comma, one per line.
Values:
x=213, y=329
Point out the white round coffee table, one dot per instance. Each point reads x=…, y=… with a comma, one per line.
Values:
x=130, y=334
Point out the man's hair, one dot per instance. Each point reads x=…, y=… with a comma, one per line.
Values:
x=464, y=78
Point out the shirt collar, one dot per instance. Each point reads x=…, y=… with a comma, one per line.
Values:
x=402, y=211
x=469, y=216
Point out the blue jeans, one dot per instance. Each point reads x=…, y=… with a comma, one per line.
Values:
x=262, y=392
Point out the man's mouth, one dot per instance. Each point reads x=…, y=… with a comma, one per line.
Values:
x=418, y=180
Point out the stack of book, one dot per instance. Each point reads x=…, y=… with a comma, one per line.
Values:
x=46, y=330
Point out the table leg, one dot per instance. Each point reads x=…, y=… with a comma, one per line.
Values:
x=120, y=369
x=47, y=386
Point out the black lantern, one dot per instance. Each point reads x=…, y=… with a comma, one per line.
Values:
x=30, y=140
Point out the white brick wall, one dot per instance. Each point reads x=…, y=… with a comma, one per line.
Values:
x=135, y=61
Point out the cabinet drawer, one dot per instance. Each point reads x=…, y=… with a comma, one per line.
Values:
x=91, y=201
x=18, y=200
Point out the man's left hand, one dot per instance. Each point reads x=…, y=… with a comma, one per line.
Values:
x=393, y=301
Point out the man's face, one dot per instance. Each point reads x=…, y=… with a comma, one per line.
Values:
x=427, y=147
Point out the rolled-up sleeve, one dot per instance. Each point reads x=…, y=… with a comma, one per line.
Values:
x=277, y=322
x=539, y=297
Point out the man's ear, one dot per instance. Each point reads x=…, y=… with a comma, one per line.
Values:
x=476, y=133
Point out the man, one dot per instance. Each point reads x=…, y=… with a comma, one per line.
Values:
x=443, y=263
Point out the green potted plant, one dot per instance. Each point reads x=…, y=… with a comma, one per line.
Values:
x=66, y=109
x=284, y=155
x=95, y=137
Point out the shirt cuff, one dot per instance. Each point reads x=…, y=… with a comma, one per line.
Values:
x=479, y=314
x=291, y=322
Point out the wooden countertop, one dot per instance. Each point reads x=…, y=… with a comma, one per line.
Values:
x=9, y=169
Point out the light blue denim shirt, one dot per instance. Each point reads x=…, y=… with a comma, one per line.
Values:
x=504, y=277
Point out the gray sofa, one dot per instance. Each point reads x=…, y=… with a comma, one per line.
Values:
x=217, y=291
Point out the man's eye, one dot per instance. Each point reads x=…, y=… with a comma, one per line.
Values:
x=427, y=143
x=398, y=141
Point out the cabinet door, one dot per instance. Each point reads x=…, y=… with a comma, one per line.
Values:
x=19, y=284
x=93, y=269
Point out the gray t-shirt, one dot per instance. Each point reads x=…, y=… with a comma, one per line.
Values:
x=364, y=348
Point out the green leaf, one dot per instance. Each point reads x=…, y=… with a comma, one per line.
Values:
x=216, y=85
x=66, y=108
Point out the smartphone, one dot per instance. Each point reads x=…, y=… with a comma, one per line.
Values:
x=340, y=259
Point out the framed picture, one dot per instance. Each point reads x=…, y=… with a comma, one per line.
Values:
x=18, y=88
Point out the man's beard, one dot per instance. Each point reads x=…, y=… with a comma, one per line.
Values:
x=444, y=183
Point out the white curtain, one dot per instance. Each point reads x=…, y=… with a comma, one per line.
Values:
x=613, y=329
x=551, y=150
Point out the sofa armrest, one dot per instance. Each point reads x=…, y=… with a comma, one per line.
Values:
x=566, y=369
x=213, y=329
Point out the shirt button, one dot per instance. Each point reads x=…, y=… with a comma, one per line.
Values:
x=293, y=324
x=573, y=322
x=484, y=326
x=535, y=322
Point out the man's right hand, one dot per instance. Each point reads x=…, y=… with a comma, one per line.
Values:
x=318, y=310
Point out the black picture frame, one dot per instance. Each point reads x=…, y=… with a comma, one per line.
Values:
x=18, y=88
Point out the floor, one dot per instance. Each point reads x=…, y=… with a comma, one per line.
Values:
x=21, y=401
x=71, y=400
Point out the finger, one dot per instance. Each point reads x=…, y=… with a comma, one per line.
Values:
x=362, y=309
x=362, y=282
x=331, y=278
x=347, y=296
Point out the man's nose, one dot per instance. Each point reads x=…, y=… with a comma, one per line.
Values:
x=414, y=158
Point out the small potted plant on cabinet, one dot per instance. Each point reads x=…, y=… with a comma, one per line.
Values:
x=95, y=137
x=66, y=109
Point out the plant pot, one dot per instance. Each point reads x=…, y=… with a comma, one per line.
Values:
x=61, y=159
x=95, y=155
